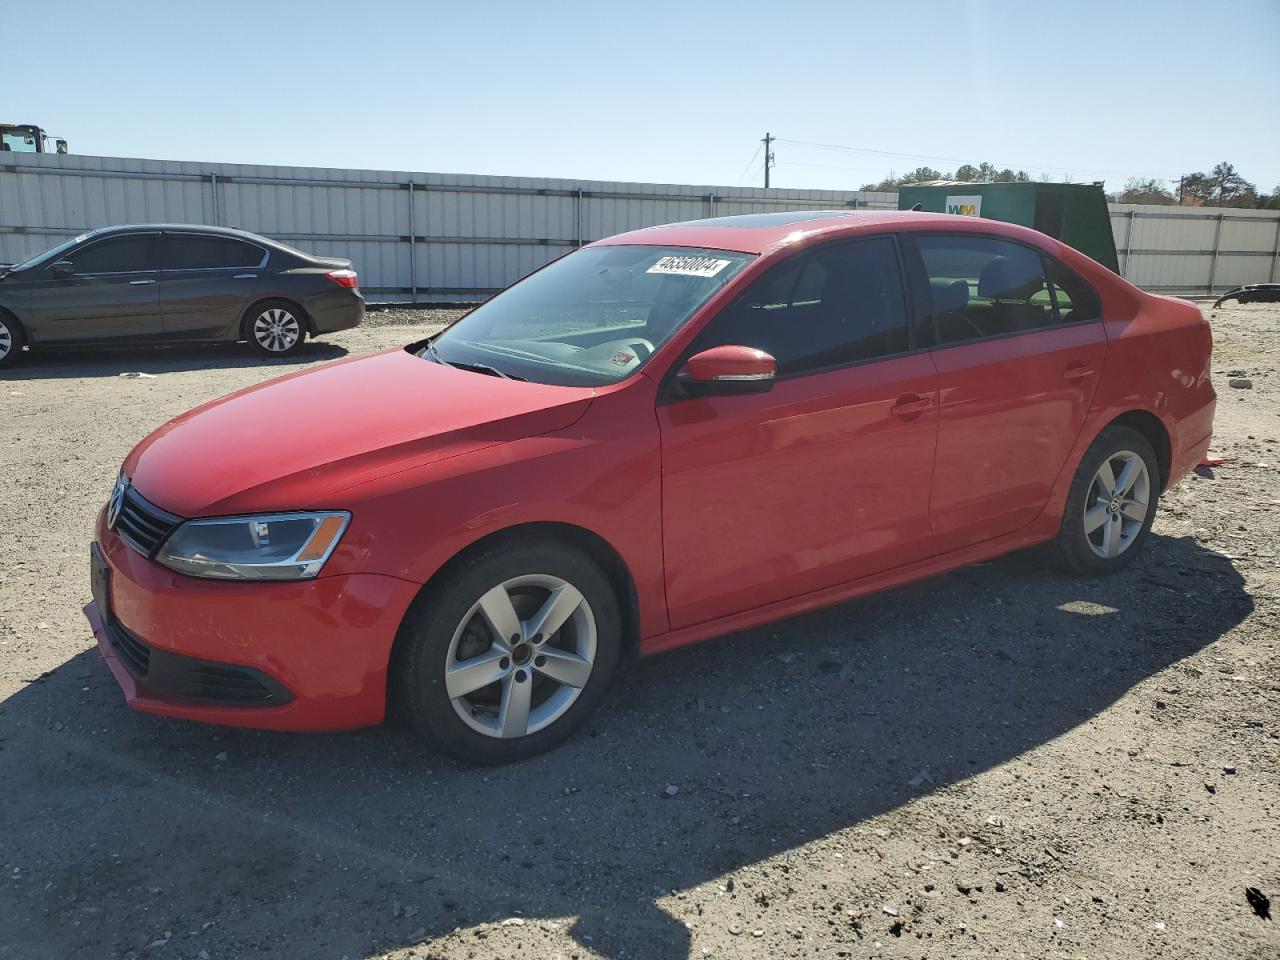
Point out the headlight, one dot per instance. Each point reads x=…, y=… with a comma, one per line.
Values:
x=281, y=546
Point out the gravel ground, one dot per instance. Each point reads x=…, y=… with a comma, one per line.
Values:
x=1000, y=761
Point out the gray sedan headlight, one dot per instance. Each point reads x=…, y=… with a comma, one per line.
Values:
x=280, y=546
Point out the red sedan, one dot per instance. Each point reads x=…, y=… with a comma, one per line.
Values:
x=664, y=436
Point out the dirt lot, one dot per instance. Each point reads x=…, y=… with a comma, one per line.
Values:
x=1001, y=761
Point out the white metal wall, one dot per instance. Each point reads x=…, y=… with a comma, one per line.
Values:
x=437, y=236
x=424, y=235
x=1196, y=250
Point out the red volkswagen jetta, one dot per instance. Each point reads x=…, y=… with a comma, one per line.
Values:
x=661, y=437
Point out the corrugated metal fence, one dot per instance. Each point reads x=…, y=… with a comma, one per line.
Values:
x=1196, y=250
x=429, y=236
x=424, y=236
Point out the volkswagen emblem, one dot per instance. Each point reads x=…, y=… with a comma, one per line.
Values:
x=116, y=502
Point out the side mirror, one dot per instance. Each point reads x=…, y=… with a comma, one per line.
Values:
x=727, y=371
x=61, y=146
x=63, y=269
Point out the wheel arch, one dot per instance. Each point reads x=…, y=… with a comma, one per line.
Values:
x=23, y=334
x=589, y=542
x=1156, y=434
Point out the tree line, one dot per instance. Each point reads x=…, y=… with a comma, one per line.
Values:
x=1223, y=186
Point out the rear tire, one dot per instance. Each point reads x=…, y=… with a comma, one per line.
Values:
x=275, y=328
x=474, y=672
x=11, y=341
x=1110, y=506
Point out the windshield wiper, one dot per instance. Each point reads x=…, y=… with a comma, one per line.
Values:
x=473, y=367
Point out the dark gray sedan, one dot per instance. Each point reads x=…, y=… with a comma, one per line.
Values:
x=161, y=282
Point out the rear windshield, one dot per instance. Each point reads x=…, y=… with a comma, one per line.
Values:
x=589, y=319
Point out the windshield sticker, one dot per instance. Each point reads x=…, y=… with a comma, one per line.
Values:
x=689, y=266
x=621, y=358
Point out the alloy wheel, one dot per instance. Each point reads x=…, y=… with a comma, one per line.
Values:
x=1117, y=505
x=6, y=340
x=521, y=656
x=276, y=329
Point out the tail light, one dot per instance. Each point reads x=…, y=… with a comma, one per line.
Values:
x=344, y=278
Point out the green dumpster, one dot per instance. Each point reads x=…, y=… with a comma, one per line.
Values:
x=1075, y=213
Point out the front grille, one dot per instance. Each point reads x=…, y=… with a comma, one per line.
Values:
x=225, y=684
x=142, y=524
x=131, y=651
x=186, y=678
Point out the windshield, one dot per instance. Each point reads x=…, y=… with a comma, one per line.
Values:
x=20, y=139
x=589, y=319
x=52, y=253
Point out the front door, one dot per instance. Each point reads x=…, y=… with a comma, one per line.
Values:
x=113, y=293
x=822, y=480
x=1019, y=350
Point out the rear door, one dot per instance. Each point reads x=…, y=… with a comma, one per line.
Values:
x=114, y=292
x=207, y=284
x=822, y=480
x=1019, y=347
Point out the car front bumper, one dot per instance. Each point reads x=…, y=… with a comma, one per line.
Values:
x=298, y=655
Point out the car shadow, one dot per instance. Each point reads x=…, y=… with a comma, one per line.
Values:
x=52, y=363
x=122, y=830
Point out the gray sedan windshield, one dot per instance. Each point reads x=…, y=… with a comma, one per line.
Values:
x=589, y=319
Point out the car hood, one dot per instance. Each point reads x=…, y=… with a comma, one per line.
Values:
x=298, y=441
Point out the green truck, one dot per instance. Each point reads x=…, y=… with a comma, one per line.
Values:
x=1075, y=213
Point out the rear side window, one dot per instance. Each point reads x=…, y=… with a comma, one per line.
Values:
x=838, y=304
x=205, y=253
x=983, y=287
x=1074, y=299
x=116, y=255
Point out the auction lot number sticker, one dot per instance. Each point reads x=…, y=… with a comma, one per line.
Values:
x=689, y=266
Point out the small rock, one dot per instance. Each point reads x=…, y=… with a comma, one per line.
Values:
x=735, y=929
x=891, y=909
x=671, y=790
x=920, y=779
x=1240, y=383
x=1259, y=901
x=513, y=922
x=757, y=933
x=1211, y=788
x=221, y=757
x=159, y=942
x=1159, y=924
x=1230, y=771
x=1000, y=887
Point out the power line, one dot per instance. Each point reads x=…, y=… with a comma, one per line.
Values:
x=751, y=165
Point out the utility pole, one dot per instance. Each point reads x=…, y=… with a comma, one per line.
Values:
x=768, y=157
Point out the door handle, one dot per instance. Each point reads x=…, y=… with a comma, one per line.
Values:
x=1077, y=371
x=140, y=283
x=245, y=276
x=909, y=406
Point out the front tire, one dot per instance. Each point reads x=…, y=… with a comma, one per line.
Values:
x=275, y=328
x=11, y=341
x=1110, y=506
x=510, y=653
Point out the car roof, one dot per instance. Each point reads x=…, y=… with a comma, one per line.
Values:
x=235, y=232
x=762, y=232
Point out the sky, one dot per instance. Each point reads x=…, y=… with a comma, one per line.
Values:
x=661, y=92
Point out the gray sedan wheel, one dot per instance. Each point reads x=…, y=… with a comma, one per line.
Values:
x=275, y=329
x=10, y=341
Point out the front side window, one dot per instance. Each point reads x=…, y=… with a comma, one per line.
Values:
x=116, y=255
x=984, y=287
x=838, y=304
x=590, y=318
x=206, y=253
